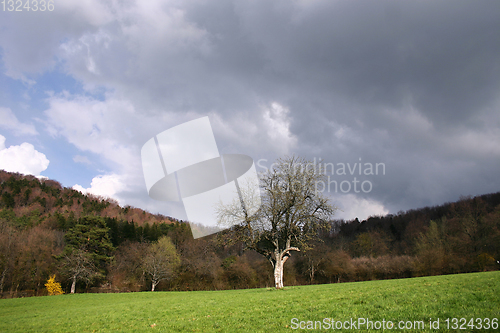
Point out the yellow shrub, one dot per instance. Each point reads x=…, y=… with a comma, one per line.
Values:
x=53, y=287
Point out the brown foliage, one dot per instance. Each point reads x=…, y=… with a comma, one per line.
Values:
x=126, y=273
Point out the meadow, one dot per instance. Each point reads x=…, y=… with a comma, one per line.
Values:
x=406, y=302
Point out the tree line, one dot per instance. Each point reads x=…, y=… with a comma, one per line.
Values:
x=93, y=245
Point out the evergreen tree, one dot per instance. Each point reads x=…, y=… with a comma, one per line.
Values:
x=88, y=250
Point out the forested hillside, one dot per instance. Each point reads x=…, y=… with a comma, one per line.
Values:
x=92, y=244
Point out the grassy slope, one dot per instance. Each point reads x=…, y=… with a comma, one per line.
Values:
x=258, y=310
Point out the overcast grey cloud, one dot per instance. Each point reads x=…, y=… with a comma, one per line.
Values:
x=411, y=84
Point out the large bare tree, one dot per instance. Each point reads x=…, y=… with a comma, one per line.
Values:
x=291, y=212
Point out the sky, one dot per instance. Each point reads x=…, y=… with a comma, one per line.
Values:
x=398, y=100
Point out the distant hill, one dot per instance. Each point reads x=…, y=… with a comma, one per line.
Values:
x=34, y=200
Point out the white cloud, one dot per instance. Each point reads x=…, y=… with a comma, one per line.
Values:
x=350, y=206
x=95, y=126
x=104, y=185
x=8, y=120
x=23, y=158
x=112, y=130
x=278, y=127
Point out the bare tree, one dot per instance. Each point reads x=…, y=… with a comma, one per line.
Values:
x=291, y=212
x=314, y=259
x=79, y=265
x=160, y=261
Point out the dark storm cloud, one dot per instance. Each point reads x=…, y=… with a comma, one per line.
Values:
x=407, y=79
x=441, y=55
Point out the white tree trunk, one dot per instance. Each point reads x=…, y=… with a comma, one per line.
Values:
x=278, y=273
x=153, y=285
x=279, y=262
x=73, y=285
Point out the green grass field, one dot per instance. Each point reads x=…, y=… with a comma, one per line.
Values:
x=458, y=296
